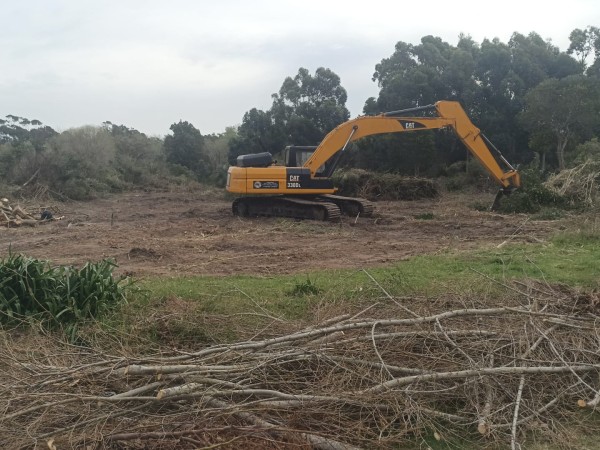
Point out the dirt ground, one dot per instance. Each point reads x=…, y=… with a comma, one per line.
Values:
x=194, y=233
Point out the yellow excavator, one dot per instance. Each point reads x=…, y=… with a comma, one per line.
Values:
x=302, y=188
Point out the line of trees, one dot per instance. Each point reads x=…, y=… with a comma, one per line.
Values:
x=535, y=102
x=531, y=100
x=85, y=162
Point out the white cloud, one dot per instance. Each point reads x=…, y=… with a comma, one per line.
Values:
x=149, y=63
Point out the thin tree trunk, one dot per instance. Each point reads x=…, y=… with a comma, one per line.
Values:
x=543, y=163
x=560, y=151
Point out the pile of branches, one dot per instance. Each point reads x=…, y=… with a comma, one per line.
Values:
x=383, y=186
x=580, y=184
x=394, y=373
x=16, y=216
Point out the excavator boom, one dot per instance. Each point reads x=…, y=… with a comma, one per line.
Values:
x=450, y=114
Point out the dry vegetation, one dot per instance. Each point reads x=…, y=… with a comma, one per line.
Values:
x=452, y=369
x=580, y=184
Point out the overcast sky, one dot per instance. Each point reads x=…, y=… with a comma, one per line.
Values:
x=147, y=64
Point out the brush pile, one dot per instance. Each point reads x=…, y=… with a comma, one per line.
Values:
x=580, y=184
x=383, y=186
x=398, y=372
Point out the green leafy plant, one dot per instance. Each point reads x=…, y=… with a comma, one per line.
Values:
x=58, y=296
x=302, y=288
x=532, y=196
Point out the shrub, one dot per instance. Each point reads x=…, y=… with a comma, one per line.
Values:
x=549, y=214
x=465, y=174
x=532, y=196
x=305, y=288
x=457, y=182
x=58, y=296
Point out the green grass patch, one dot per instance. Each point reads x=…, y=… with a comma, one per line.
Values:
x=287, y=296
x=573, y=259
x=250, y=302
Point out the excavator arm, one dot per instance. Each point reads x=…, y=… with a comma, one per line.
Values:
x=450, y=114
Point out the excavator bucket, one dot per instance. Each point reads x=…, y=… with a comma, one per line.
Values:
x=501, y=194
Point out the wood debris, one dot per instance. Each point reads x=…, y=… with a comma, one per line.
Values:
x=383, y=378
x=12, y=216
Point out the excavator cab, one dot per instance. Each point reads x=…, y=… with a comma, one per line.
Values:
x=297, y=155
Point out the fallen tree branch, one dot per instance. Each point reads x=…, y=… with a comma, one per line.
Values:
x=318, y=442
x=398, y=382
x=344, y=382
x=513, y=434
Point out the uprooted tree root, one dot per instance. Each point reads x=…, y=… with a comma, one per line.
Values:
x=397, y=371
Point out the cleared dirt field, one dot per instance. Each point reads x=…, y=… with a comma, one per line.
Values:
x=185, y=233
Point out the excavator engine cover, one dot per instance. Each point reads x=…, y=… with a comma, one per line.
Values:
x=264, y=159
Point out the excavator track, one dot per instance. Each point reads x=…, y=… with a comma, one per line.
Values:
x=351, y=206
x=282, y=206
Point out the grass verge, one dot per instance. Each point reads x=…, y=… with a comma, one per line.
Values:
x=572, y=259
x=189, y=310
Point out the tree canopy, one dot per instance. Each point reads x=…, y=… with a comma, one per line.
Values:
x=304, y=110
x=185, y=147
x=20, y=129
x=490, y=80
x=561, y=113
